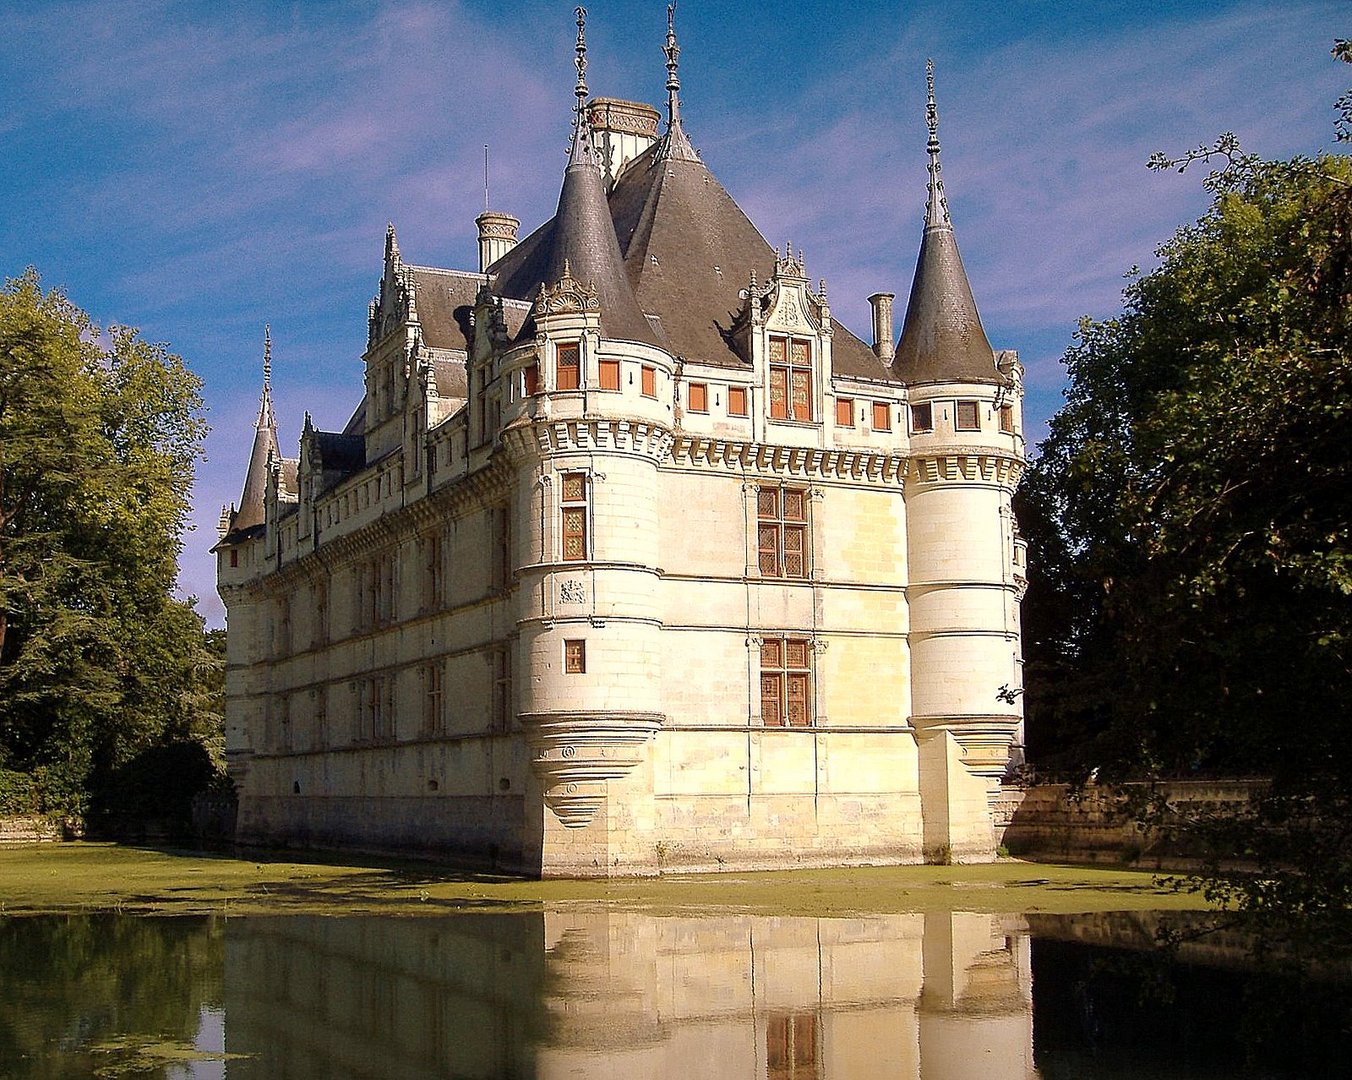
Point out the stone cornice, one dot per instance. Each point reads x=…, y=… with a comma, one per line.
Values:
x=804, y=461
x=967, y=465
x=526, y=441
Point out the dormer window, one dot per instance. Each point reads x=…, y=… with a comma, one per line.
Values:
x=568, y=369
x=922, y=417
x=790, y=379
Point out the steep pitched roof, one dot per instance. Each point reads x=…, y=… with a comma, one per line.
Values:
x=942, y=339
x=252, y=500
x=688, y=249
x=445, y=299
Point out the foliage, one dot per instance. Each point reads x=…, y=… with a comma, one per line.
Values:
x=99, y=432
x=1193, y=606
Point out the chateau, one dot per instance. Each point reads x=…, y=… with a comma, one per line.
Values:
x=631, y=557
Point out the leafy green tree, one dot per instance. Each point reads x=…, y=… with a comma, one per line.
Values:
x=1192, y=507
x=99, y=432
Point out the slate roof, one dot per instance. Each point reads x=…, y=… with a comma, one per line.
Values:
x=445, y=299
x=688, y=250
x=581, y=234
x=942, y=339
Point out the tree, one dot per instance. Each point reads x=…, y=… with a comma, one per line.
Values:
x=99, y=433
x=1191, y=505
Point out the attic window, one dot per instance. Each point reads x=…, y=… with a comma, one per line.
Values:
x=737, y=401
x=699, y=397
x=967, y=417
x=922, y=417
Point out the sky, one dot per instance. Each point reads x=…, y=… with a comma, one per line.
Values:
x=198, y=169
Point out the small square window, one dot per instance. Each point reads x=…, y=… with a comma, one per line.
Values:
x=922, y=417
x=737, y=401
x=882, y=416
x=967, y=416
x=649, y=381
x=1007, y=419
x=699, y=397
x=844, y=412
x=575, y=656
x=569, y=368
x=609, y=371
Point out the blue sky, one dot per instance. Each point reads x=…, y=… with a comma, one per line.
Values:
x=197, y=169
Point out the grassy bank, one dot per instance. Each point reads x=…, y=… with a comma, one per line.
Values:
x=84, y=877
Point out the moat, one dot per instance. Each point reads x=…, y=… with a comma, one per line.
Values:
x=589, y=991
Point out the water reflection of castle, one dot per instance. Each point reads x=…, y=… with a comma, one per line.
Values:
x=928, y=997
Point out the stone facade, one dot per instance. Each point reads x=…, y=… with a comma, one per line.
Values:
x=633, y=558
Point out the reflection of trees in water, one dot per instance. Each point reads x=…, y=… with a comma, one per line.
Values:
x=1101, y=1011
x=73, y=982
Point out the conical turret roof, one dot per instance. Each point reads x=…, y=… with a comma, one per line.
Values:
x=942, y=339
x=580, y=235
x=253, y=500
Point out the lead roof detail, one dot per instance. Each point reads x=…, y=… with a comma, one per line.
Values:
x=942, y=339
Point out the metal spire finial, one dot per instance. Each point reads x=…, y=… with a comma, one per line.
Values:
x=267, y=358
x=936, y=211
x=581, y=150
x=581, y=61
x=486, y=204
x=673, y=52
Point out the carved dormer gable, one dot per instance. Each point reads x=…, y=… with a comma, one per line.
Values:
x=567, y=296
x=788, y=303
x=397, y=303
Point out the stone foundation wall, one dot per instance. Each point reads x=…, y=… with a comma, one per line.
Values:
x=1099, y=823
x=28, y=829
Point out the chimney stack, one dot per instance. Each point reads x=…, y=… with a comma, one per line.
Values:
x=884, y=345
x=497, y=236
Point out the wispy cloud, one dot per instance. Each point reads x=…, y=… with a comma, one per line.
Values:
x=198, y=169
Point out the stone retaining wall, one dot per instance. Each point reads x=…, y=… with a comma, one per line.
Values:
x=1097, y=823
x=28, y=829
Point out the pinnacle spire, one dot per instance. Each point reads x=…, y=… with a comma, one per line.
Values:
x=676, y=145
x=267, y=359
x=936, y=210
x=673, y=52
x=581, y=152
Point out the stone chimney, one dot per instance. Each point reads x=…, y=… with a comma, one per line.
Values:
x=497, y=236
x=883, y=342
x=620, y=130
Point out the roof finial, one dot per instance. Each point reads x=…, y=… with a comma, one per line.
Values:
x=581, y=150
x=673, y=52
x=267, y=358
x=486, y=177
x=936, y=210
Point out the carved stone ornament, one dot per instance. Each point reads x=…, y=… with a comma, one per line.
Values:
x=576, y=754
x=572, y=591
x=568, y=296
